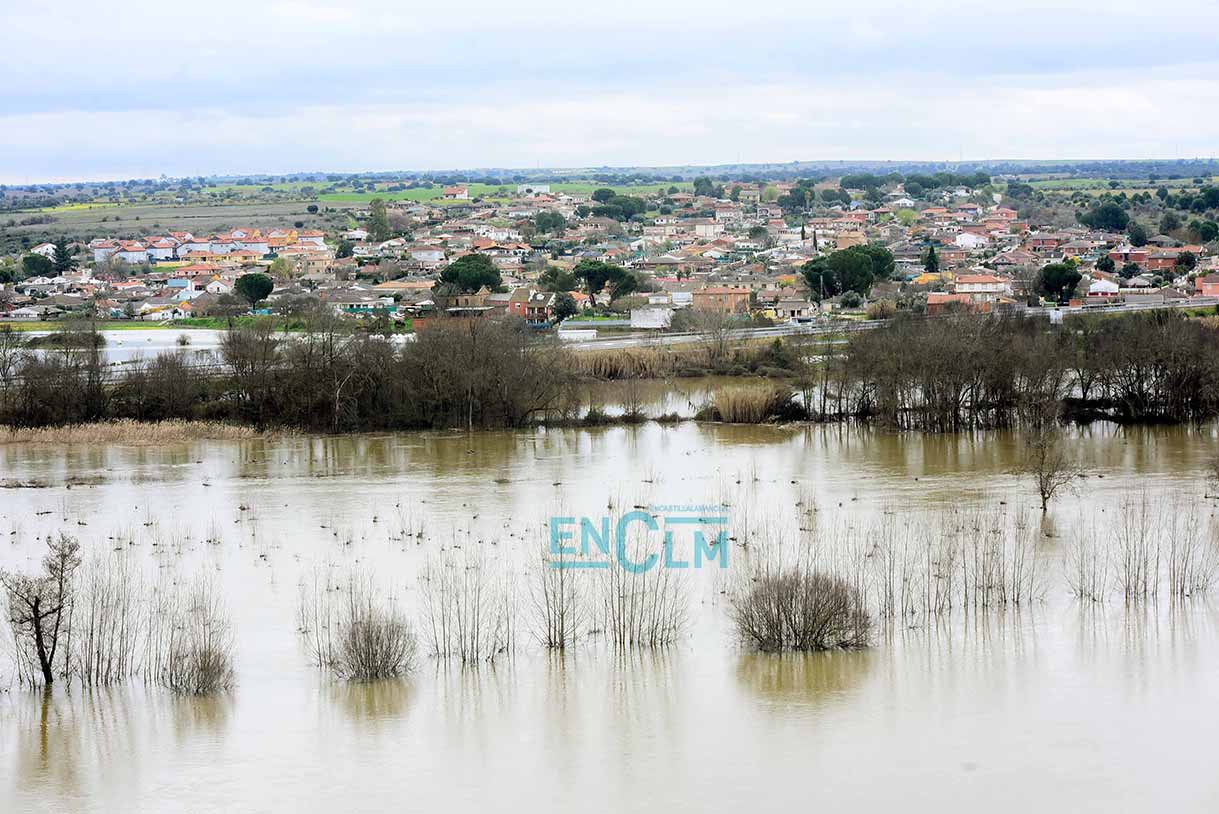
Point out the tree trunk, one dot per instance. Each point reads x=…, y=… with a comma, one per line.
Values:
x=44, y=661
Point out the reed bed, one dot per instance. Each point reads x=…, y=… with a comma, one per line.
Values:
x=750, y=405
x=129, y=432
x=632, y=363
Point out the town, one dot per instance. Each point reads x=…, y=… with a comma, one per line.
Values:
x=644, y=258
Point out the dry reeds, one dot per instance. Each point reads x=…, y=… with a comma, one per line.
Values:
x=751, y=404
x=129, y=432
x=630, y=363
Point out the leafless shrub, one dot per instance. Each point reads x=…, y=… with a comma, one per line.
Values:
x=802, y=609
x=190, y=644
x=355, y=630
x=1138, y=555
x=467, y=606
x=557, y=604
x=641, y=606
x=1088, y=565
x=913, y=567
x=1190, y=556
x=107, y=622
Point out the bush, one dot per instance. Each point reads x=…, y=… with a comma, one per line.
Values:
x=882, y=309
x=355, y=630
x=802, y=610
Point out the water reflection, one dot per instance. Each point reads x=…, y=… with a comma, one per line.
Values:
x=372, y=702
x=206, y=716
x=803, y=678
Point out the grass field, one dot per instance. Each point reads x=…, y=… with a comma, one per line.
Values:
x=488, y=192
x=1097, y=186
x=133, y=219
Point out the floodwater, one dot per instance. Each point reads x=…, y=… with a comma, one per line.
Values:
x=1059, y=706
x=127, y=346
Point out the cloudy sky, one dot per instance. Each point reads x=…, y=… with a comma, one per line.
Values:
x=137, y=88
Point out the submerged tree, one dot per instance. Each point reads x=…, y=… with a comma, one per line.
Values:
x=1047, y=459
x=40, y=604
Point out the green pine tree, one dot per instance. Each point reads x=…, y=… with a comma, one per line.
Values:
x=931, y=262
x=63, y=259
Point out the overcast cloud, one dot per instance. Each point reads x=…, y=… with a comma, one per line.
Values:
x=136, y=88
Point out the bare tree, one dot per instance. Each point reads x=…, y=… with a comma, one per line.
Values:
x=1048, y=461
x=40, y=606
x=715, y=329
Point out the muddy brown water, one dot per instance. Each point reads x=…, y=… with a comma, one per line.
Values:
x=1060, y=706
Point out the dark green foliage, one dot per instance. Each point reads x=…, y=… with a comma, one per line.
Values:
x=1107, y=216
x=1057, y=281
x=35, y=265
x=254, y=288
x=472, y=272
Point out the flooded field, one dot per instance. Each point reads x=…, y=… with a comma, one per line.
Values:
x=1062, y=703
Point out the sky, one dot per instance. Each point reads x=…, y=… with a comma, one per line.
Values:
x=141, y=88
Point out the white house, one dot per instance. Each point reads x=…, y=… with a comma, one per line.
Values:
x=968, y=240
x=533, y=189
x=103, y=249
x=258, y=245
x=47, y=250
x=163, y=249
x=132, y=252
x=428, y=255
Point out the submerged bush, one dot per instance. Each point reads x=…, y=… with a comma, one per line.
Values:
x=194, y=647
x=803, y=610
x=355, y=630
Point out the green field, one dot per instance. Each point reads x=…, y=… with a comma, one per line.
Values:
x=1130, y=186
x=490, y=193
